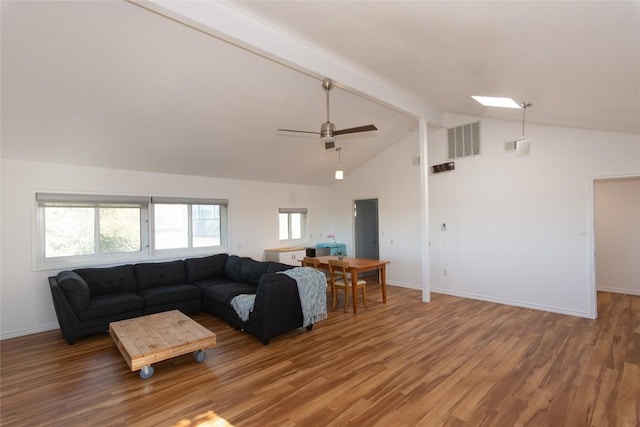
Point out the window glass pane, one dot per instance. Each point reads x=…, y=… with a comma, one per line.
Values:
x=69, y=231
x=120, y=230
x=205, y=225
x=284, y=226
x=171, y=226
x=296, y=226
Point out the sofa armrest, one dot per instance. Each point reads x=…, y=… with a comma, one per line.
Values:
x=67, y=318
x=277, y=305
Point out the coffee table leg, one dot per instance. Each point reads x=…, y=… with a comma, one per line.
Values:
x=146, y=372
x=200, y=355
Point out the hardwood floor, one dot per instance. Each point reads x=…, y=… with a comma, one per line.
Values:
x=452, y=362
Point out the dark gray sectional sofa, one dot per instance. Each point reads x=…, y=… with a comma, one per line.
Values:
x=87, y=299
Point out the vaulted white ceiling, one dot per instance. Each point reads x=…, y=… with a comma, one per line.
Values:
x=112, y=84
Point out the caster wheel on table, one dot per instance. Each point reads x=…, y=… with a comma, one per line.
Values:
x=200, y=355
x=146, y=372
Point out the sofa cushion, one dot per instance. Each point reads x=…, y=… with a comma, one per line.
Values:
x=274, y=267
x=203, y=284
x=75, y=288
x=156, y=274
x=170, y=294
x=210, y=267
x=223, y=294
x=103, y=281
x=233, y=267
x=111, y=304
x=253, y=270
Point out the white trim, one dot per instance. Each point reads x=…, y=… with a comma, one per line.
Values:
x=163, y=200
x=618, y=290
x=47, y=197
x=29, y=331
x=424, y=207
x=541, y=307
x=405, y=285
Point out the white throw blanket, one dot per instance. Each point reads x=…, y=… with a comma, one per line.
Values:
x=313, y=298
x=243, y=305
x=312, y=285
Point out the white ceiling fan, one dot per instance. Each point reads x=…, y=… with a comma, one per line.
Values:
x=328, y=131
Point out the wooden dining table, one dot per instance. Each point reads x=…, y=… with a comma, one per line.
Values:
x=356, y=266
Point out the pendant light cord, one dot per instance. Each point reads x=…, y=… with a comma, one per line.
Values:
x=524, y=105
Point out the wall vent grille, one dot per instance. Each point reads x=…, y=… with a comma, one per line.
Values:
x=464, y=141
x=509, y=146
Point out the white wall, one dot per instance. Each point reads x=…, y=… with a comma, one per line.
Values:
x=617, y=235
x=25, y=299
x=518, y=228
x=394, y=180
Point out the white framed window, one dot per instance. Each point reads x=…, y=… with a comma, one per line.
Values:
x=189, y=224
x=292, y=224
x=81, y=229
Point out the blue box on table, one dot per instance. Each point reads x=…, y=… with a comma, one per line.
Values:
x=334, y=247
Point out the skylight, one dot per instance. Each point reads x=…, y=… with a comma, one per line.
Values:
x=493, y=101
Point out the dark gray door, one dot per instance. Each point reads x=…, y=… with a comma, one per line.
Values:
x=365, y=215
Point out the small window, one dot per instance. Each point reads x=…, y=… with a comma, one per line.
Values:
x=188, y=223
x=77, y=229
x=292, y=224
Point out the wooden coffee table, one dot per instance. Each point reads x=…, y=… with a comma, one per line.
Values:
x=157, y=337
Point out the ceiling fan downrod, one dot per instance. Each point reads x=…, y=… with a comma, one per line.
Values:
x=327, y=84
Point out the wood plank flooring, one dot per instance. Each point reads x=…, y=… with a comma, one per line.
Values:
x=452, y=362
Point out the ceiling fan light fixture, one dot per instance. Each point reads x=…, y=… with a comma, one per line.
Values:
x=496, y=101
x=328, y=138
x=327, y=132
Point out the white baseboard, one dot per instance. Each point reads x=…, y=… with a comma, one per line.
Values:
x=619, y=290
x=540, y=307
x=405, y=285
x=23, y=332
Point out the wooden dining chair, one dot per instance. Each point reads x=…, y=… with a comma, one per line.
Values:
x=341, y=279
x=309, y=261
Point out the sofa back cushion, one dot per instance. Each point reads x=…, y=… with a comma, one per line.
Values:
x=104, y=281
x=155, y=274
x=233, y=267
x=274, y=267
x=75, y=288
x=253, y=270
x=211, y=267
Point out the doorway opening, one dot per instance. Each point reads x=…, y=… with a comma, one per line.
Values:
x=365, y=225
x=617, y=235
x=615, y=243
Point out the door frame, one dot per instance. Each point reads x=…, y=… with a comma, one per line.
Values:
x=593, y=289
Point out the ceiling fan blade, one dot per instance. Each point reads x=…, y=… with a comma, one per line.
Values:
x=299, y=131
x=329, y=145
x=365, y=128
